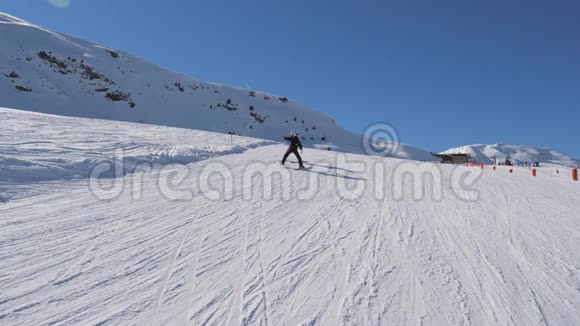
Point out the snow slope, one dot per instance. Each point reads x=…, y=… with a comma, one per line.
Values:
x=519, y=153
x=511, y=257
x=37, y=148
x=53, y=73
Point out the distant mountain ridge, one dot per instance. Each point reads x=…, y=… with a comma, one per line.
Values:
x=519, y=153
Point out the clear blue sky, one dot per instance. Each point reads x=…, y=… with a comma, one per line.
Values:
x=444, y=73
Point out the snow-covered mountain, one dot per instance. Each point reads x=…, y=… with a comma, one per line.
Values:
x=49, y=72
x=519, y=153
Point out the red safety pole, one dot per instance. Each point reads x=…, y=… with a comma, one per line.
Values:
x=511, y=170
x=575, y=174
x=534, y=172
x=482, y=166
x=494, y=167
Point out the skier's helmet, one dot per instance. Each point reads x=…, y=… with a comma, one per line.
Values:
x=292, y=134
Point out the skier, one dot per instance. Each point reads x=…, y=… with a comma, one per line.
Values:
x=293, y=148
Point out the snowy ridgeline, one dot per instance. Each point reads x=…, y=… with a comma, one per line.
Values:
x=518, y=153
x=53, y=73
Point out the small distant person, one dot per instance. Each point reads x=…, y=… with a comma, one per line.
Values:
x=295, y=144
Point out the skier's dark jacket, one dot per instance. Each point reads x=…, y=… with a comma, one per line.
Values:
x=294, y=142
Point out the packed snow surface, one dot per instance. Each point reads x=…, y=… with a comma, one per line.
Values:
x=510, y=256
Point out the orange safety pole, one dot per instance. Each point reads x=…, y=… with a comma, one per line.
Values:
x=534, y=172
x=575, y=174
